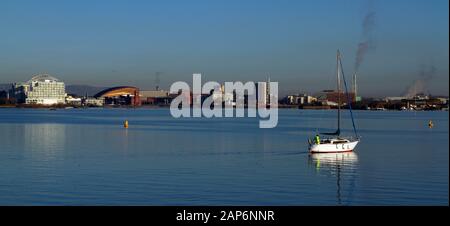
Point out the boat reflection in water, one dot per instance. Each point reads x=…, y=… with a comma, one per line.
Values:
x=343, y=166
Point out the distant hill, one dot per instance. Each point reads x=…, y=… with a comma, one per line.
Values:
x=82, y=90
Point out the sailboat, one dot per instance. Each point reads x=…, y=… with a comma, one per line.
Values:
x=336, y=143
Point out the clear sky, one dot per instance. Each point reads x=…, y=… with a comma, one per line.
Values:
x=118, y=42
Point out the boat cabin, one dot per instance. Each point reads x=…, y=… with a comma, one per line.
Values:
x=334, y=141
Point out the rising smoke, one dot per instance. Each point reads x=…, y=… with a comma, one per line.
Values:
x=420, y=85
x=367, y=43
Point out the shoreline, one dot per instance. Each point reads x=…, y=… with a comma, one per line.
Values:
x=313, y=108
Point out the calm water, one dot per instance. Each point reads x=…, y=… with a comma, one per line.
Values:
x=86, y=157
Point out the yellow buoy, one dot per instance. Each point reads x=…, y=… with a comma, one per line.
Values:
x=430, y=124
x=125, y=124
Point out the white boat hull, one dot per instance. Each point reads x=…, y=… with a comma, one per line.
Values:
x=333, y=148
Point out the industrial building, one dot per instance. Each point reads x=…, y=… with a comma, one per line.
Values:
x=155, y=97
x=41, y=89
x=334, y=96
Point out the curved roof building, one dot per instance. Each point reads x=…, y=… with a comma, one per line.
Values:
x=117, y=91
x=43, y=78
x=121, y=93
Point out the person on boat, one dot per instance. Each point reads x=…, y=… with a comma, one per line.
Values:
x=317, y=138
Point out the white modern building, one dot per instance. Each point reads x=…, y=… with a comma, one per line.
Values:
x=76, y=101
x=42, y=89
x=96, y=102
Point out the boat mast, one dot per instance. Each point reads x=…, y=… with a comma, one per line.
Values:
x=338, y=58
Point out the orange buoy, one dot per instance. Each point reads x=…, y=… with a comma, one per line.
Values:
x=125, y=124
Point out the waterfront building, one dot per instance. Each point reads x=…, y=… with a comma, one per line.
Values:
x=153, y=94
x=218, y=95
x=19, y=91
x=41, y=89
x=299, y=99
x=262, y=95
x=122, y=95
x=229, y=98
x=224, y=97
x=443, y=100
x=334, y=96
x=75, y=101
x=154, y=97
x=91, y=101
x=394, y=99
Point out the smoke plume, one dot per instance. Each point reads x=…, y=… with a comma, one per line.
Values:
x=420, y=85
x=367, y=42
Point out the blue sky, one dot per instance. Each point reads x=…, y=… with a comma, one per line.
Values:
x=108, y=43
